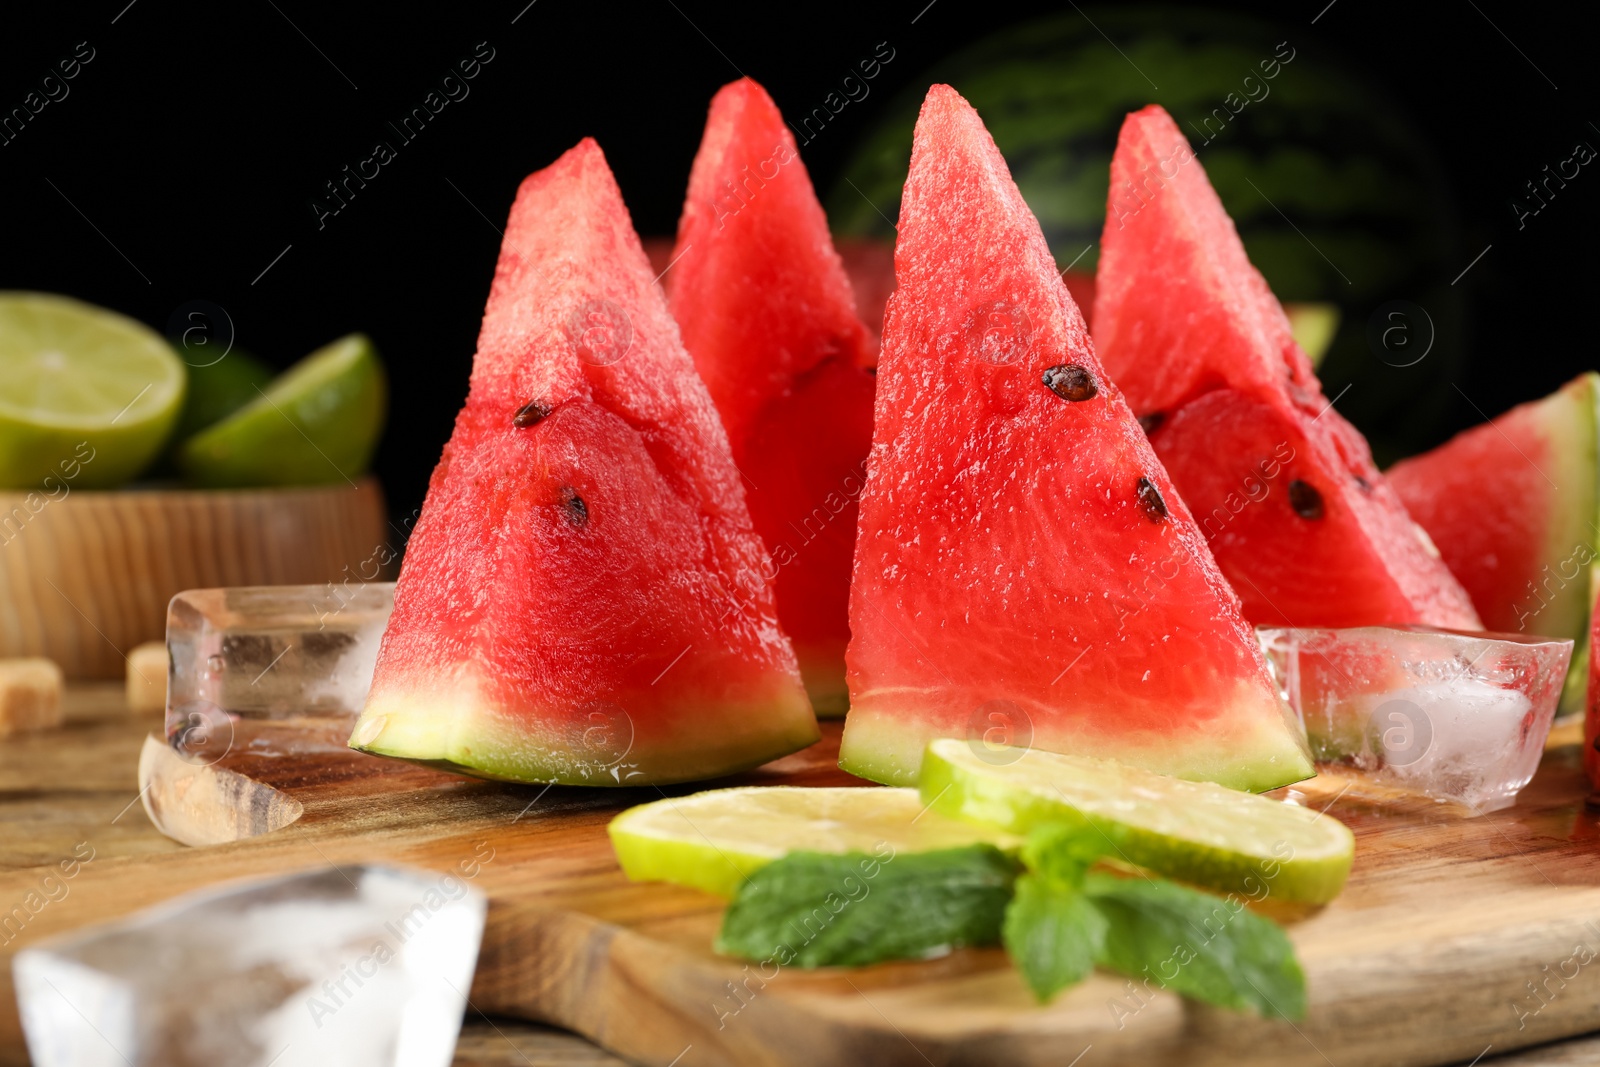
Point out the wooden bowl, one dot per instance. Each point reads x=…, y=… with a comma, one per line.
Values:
x=87, y=576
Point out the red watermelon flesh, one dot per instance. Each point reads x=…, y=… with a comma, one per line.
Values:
x=1024, y=570
x=1181, y=314
x=766, y=310
x=1250, y=463
x=1512, y=505
x=581, y=600
x=870, y=265
x=1081, y=286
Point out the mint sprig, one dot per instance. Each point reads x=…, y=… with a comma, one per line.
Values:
x=1205, y=947
x=815, y=909
x=1054, y=933
x=1057, y=918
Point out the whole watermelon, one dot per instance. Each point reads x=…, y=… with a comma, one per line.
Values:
x=1334, y=191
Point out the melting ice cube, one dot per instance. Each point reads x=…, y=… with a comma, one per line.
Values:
x=1457, y=716
x=360, y=966
x=273, y=652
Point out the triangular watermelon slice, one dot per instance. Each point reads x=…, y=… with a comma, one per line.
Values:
x=1301, y=522
x=582, y=600
x=1514, y=506
x=1025, y=572
x=766, y=310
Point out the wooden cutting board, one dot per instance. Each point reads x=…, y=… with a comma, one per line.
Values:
x=1427, y=958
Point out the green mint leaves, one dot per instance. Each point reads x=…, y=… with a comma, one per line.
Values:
x=1057, y=918
x=1054, y=934
x=1206, y=947
x=814, y=909
x=1202, y=946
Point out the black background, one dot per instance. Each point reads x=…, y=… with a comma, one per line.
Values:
x=196, y=139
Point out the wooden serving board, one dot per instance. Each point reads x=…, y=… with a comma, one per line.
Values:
x=1425, y=959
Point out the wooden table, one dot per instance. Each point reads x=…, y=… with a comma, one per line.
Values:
x=80, y=784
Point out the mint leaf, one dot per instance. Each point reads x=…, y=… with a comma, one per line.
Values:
x=1053, y=933
x=1063, y=851
x=1202, y=946
x=814, y=909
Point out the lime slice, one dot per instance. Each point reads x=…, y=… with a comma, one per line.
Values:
x=714, y=840
x=87, y=396
x=1195, y=832
x=316, y=424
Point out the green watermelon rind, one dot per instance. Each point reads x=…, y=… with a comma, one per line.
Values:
x=469, y=739
x=990, y=800
x=1575, y=692
x=1582, y=527
x=1575, y=445
x=1260, y=752
x=822, y=670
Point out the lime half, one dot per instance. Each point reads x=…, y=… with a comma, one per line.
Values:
x=1195, y=832
x=87, y=396
x=316, y=424
x=219, y=388
x=714, y=840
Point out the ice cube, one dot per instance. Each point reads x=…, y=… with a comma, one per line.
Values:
x=1456, y=716
x=362, y=966
x=276, y=652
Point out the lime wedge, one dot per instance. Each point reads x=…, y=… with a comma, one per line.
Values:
x=1195, y=832
x=316, y=424
x=714, y=840
x=219, y=388
x=87, y=396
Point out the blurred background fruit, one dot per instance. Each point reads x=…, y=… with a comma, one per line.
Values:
x=218, y=388
x=89, y=399
x=411, y=255
x=87, y=396
x=316, y=424
x=1335, y=194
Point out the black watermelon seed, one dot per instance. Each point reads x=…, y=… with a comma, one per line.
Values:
x=529, y=414
x=873, y=370
x=1366, y=486
x=1152, y=422
x=1071, y=382
x=1305, y=499
x=1155, y=509
x=577, y=510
